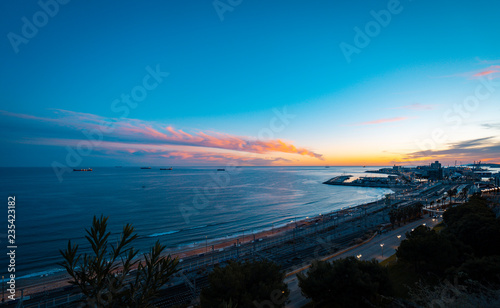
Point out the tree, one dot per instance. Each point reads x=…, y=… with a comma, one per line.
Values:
x=346, y=282
x=105, y=276
x=446, y=294
x=475, y=224
x=450, y=194
x=393, y=216
x=484, y=270
x=464, y=192
x=475, y=205
x=246, y=284
x=428, y=251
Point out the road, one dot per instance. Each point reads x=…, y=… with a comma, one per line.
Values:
x=367, y=251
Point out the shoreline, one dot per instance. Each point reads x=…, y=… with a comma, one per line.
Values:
x=33, y=285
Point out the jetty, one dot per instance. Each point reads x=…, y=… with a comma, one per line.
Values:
x=389, y=182
x=338, y=179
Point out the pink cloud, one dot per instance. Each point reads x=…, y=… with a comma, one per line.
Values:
x=484, y=73
x=160, y=154
x=492, y=69
x=147, y=133
x=380, y=121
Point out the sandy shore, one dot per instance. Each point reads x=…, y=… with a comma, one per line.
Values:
x=59, y=280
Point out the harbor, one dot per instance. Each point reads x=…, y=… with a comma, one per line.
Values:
x=379, y=182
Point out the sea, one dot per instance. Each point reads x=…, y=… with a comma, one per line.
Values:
x=183, y=207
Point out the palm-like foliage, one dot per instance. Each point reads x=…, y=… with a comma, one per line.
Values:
x=403, y=214
x=105, y=276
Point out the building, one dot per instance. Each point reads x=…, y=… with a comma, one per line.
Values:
x=436, y=165
x=435, y=171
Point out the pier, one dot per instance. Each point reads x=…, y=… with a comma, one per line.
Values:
x=366, y=182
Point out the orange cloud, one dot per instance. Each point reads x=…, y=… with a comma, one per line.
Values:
x=159, y=153
x=484, y=73
x=490, y=70
x=148, y=133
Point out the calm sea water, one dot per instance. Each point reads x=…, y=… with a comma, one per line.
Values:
x=179, y=207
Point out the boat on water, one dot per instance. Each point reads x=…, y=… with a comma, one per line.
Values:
x=166, y=168
x=221, y=169
x=89, y=169
x=145, y=167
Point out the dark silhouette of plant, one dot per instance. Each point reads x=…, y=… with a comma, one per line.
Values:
x=346, y=282
x=428, y=251
x=111, y=275
x=475, y=224
x=245, y=285
x=484, y=270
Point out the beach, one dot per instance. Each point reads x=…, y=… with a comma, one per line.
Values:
x=60, y=280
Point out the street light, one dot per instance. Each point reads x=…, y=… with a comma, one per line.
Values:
x=359, y=256
x=382, y=246
x=399, y=236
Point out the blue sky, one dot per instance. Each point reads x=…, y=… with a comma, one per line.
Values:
x=227, y=75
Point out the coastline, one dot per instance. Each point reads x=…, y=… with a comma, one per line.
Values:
x=33, y=285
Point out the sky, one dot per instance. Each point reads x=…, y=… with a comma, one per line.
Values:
x=192, y=83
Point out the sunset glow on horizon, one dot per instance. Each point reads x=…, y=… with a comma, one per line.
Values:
x=263, y=84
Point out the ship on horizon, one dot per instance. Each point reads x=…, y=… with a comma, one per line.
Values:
x=88, y=169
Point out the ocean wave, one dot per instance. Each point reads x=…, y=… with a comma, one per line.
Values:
x=197, y=227
x=163, y=233
x=43, y=273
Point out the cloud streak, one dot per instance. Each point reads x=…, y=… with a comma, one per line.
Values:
x=381, y=121
x=487, y=72
x=164, y=155
x=148, y=133
x=474, y=149
x=416, y=106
